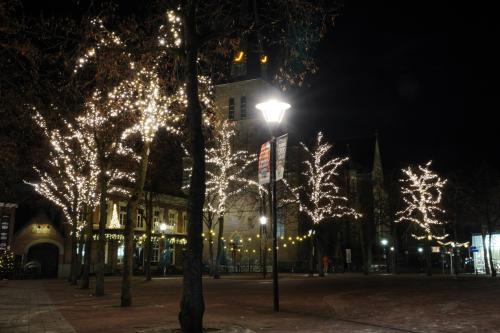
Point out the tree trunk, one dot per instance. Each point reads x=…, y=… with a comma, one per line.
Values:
x=192, y=303
x=320, y=254
x=101, y=243
x=74, y=254
x=88, y=249
x=485, y=252
x=428, y=257
x=364, y=250
x=311, y=256
x=211, y=251
x=78, y=268
x=128, y=232
x=220, y=247
x=148, y=243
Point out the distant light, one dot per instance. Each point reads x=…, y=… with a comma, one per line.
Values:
x=384, y=242
x=263, y=59
x=420, y=250
x=163, y=226
x=392, y=248
x=239, y=56
x=273, y=110
x=263, y=220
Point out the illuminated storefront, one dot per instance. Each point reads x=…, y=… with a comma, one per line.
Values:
x=479, y=255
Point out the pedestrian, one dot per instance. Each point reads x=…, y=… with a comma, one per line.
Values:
x=325, y=264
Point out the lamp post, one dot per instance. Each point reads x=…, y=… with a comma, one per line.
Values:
x=273, y=112
x=262, y=254
x=384, y=243
x=163, y=228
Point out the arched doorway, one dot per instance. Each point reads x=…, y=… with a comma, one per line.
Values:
x=48, y=256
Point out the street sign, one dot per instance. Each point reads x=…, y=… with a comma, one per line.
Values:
x=281, y=156
x=474, y=250
x=348, y=256
x=265, y=163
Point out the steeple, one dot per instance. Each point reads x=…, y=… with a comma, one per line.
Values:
x=377, y=172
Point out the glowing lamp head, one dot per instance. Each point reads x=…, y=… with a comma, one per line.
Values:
x=420, y=250
x=263, y=220
x=273, y=110
x=384, y=242
x=163, y=226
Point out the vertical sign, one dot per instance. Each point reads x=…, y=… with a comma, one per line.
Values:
x=348, y=256
x=265, y=163
x=4, y=232
x=281, y=156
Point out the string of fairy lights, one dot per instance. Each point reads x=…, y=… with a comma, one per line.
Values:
x=249, y=244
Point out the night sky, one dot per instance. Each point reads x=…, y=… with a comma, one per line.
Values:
x=418, y=72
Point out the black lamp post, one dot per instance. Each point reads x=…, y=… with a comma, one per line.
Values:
x=273, y=112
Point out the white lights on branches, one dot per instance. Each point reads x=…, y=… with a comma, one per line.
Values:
x=422, y=195
x=321, y=198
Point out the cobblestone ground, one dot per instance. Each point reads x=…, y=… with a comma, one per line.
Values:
x=340, y=303
x=25, y=307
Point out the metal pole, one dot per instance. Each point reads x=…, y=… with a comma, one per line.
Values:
x=274, y=215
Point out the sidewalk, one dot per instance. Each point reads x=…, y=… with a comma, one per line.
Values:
x=25, y=307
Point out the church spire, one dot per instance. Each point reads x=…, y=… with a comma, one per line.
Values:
x=377, y=172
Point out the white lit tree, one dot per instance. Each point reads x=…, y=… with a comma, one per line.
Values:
x=70, y=180
x=226, y=176
x=145, y=103
x=422, y=191
x=104, y=63
x=320, y=198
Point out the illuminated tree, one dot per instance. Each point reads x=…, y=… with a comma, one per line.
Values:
x=226, y=178
x=320, y=197
x=143, y=99
x=71, y=179
x=209, y=35
x=422, y=195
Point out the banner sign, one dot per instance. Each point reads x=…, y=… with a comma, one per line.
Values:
x=281, y=156
x=265, y=163
x=4, y=232
x=348, y=256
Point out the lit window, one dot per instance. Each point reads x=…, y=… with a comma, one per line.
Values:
x=155, y=256
x=231, y=109
x=123, y=215
x=156, y=220
x=140, y=218
x=119, y=254
x=243, y=107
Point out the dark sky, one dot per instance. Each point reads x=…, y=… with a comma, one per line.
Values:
x=420, y=73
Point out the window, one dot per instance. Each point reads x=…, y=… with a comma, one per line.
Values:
x=230, y=114
x=184, y=222
x=156, y=220
x=155, y=256
x=140, y=218
x=280, y=230
x=123, y=215
x=119, y=253
x=243, y=107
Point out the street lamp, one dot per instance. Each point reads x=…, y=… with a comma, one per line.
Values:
x=384, y=243
x=163, y=228
x=273, y=112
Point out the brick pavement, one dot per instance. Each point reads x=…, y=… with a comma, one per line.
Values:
x=25, y=307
